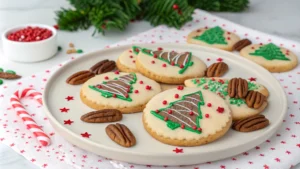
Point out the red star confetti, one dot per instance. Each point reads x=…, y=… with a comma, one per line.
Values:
x=69, y=98
x=178, y=150
x=219, y=59
x=68, y=122
x=64, y=110
x=86, y=134
x=252, y=79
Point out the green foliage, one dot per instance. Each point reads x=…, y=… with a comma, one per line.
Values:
x=116, y=14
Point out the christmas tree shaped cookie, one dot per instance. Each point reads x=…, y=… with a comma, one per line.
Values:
x=271, y=57
x=127, y=92
x=169, y=67
x=186, y=117
x=219, y=86
x=126, y=61
x=213, y=37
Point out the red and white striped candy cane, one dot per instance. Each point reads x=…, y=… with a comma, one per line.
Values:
x=41, y=136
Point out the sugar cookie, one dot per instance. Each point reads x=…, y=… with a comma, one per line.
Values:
x=126, y=61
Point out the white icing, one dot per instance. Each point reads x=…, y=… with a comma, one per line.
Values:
x=140, y=98
x=215, y=122
x=196, y=70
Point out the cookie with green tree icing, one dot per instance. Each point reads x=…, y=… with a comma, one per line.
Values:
x=213, y=37
x=127, y=92
x=126, y=61
x=271, y=57
x=169, y=67
x=186, y=117
x=219, y=86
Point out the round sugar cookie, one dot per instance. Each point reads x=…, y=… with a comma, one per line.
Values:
x=186, y=117
x=126, y=61
x=127, y=92
x=239, y=108
x=169, y=67
x=271, y=57
x=213, y=37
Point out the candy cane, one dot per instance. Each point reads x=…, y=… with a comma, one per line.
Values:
x=41, y=136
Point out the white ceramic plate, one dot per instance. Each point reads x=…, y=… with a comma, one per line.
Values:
x=148, y=150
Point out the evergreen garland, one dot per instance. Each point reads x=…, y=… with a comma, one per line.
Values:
x=106, y=14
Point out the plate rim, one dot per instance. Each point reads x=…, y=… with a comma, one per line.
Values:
x=251, y=64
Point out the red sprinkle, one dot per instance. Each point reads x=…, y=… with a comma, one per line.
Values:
x=166, y=118
x=56, y=27
x=157, y=111
x=228, y=38
x=207, y=115
x=219, y=59
x=137, y=50
x=30, y=34
x=128, y=89
x=141, y=82
x=99, y=86
x=133, y=61
x=220, y=109
x=182, y=126
x=172, y=63
x=130, y=51
x=106, y=77
x=159, y=48
x=117, y=72
x=180, y=87
x=170, y=111
x=181, y=66
x=208, y=104
x=198, y=30
x=191, y=113
x=164, y=65
x=114, y=95
x=195, y=127
x=126, y=95
x=199, y=129
x=131, y=56
x=213, y=79
x=136, y=91
x=221, y=81
x=176, y=96
x=148, y=87
x=152, y=61
x=155, y=55
x=164, y=102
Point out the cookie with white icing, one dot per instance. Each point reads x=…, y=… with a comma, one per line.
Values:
x=186, y=117
x=126, y=61
x=127, y=92
x=164, y=86
x=169, y=67
x=271, y=57
x=239, y=108
x=213, y=37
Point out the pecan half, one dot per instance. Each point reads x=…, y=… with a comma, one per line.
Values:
x=102, y=116
x=251, y=123
x=237, y=88
x=103, y=66
x=241, y=44
x=80, y=77
x=120, y=134
x=217, y=69
x=255, y=99
x=5, y=75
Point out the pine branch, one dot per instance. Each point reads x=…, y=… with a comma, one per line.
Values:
x=208, y=5
x=72, y=20
x=233, y=5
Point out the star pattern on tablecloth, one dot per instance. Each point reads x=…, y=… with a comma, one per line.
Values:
x=86, y=135
x=69, y=98
x=178, y=150
x=64, y=110
x=68, y=122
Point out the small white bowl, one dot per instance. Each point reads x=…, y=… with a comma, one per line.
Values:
x=29, y=51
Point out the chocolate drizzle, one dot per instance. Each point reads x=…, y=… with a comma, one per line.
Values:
x=174, y=57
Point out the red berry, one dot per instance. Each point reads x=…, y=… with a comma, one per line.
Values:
x=164, y=65
x=195, y=127
x=131, y=56
x=170, y=111
x=191, y=113
x=176, y=96
x=106, y=77
x=180, y=87
x=164, y=102
x=126, y=95
x=141, y=82
x=181, y=66
x=148, y=87
x=172, y=63
x=175, y=6
x=209, y=105
x=56, y=27
x=152, y=61
x=166, y=118
x=182, y=126
x=155, y=55
x=199, y=129
x=117, y=72
x=157, y=111
x=159, y=48
x=207, y=115
x=136, y=91
x=220, y=109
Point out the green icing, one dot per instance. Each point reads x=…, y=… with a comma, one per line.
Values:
x=11, y=72
x=1, y=81
x=1, y=70
x=79, y=51
x=199, y=82
x=237, y=102
x=270, y=52
x=136, y=49
x=182, y=70
x=252, y=86
x=109, y=94
x=174, y=125
x=213, y=35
